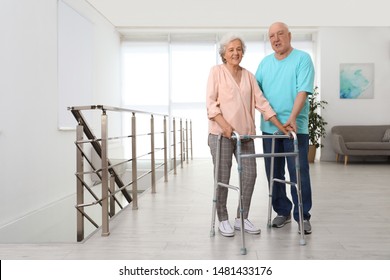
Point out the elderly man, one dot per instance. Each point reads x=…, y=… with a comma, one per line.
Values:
x=286, y=78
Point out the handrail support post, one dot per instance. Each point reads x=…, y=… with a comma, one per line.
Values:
x=134, y=161
x=152, y=156
x=104, y=134
x=79, y=184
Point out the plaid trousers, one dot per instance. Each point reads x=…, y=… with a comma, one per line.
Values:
x=248, y=177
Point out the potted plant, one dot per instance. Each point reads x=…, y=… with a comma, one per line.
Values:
x=316, y=124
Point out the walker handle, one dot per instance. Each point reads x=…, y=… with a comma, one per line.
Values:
x=291, y=134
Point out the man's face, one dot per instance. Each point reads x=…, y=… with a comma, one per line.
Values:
x=280, y=39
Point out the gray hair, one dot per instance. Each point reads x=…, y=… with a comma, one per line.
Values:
x=280, y=24
x=225, y=40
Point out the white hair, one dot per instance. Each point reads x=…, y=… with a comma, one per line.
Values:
x=225, y=40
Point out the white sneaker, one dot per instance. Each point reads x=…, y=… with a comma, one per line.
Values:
x=226, y=229
x=248, y=226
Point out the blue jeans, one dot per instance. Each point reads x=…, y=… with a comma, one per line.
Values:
x=280, y=202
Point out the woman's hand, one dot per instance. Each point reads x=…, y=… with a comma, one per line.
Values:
x=283, y=128
x=227, y=131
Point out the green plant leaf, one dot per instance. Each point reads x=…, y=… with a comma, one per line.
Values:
x=316, y=121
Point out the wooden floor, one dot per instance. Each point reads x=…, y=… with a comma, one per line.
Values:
x=350, y=220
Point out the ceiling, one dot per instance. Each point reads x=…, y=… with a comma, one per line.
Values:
x=154, y=13
x=114, y=10
x=241, y=14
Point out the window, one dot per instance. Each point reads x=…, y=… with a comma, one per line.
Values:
x=145, y=76
x=191, y=63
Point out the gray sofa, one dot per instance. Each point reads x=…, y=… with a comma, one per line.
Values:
x=360, y=140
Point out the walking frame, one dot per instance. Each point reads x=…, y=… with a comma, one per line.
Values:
x=238, y=188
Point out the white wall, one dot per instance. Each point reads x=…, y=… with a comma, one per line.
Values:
x=37, y=161
x=353, y=45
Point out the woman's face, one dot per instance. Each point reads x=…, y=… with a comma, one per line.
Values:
x=233, y=53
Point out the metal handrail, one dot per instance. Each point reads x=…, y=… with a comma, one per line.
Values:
x=111, y=183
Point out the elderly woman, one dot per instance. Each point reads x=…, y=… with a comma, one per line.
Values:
x=232, y=97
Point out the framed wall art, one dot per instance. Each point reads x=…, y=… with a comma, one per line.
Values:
x=357, y=80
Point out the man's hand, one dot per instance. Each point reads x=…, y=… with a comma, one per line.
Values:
x=291, y=125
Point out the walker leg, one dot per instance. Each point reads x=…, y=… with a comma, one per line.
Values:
x=270, y=203
x=243, y=248
x=212, y=228
x=299, y=193
x=271, y=184
x=302, y=240
x=300, y=209
x=240, y=203
x=216, y=175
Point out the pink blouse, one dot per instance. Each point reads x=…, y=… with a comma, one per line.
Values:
x=236, y=103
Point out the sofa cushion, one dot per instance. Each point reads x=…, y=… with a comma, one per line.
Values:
x=368, y=145
x=386, y=136
x=361, y=133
